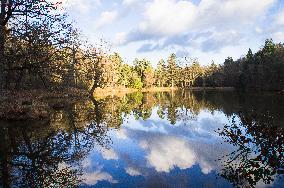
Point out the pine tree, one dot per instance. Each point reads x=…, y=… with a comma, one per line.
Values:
x=172, y=71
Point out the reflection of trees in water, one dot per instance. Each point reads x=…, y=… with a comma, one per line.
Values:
x=184, y=105
x=50, y=154
x=47, y=155
x=173, y=106
x=259, y=156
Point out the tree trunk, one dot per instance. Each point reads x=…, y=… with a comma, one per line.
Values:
x=2, y=43
x=19, y=80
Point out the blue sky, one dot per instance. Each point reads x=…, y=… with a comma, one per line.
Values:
x=204, y=29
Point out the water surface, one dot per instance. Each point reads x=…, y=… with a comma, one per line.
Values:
x=165, y=139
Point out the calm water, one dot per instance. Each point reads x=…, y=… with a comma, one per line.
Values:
x=175, y=139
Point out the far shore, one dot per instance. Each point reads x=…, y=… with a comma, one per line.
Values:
x=120, y=91
x=37, y=104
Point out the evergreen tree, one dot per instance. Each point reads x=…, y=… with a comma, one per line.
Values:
x=172, y=72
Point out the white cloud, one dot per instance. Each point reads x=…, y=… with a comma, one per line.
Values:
x=120, y=38
x=165, y=153
x=87, y=163
x=214, y=13
x=94, y=177
x=165, y=19
x=106, y=18
x=121, y=134
x=132, y=171
x=168, y=17
x=109, y=154
x=130, y=2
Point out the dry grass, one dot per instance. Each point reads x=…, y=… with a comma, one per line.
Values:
x=119, y=92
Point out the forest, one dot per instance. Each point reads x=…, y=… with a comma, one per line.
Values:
x=41, y=49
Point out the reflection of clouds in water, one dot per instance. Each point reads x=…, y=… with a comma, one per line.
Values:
x=165, y=153
x=181, y=146
x=147, y=126
x=121, y=134
x=152, y=124
x=203, y=126
x=87, y=163
x=164, y=147
x=132, y=171
x=94, y=177
x=109, y=154
x=93, y=173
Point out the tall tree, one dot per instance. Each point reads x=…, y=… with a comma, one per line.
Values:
x=21, y=12
x=161, y=73
x=124, y=77
x=172, y=70
x=142, y=67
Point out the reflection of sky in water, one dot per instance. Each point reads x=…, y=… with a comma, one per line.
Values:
x=154, y=153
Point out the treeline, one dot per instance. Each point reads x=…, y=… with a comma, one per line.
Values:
x=39, y=48
x=263, y=70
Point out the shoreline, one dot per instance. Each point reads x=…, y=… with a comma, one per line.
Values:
x=39, y=104
x=106, y=92
x=35, y=104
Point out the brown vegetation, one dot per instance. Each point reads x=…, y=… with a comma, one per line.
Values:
x=35, y=104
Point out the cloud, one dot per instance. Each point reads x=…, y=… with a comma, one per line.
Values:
x=168, y=17
x=93, y=173
x=148, y=47
x=130, y=2
x=106, y=18
x=121, y=134
x=178, y=23
x=94, y=177
x=219, y=40
x=123, y=38
x=165, y=153
x=109, y=154
x=132, y=171
x=231, y=13
x=170, y=42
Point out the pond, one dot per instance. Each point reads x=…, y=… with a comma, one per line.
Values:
x=165, y=139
